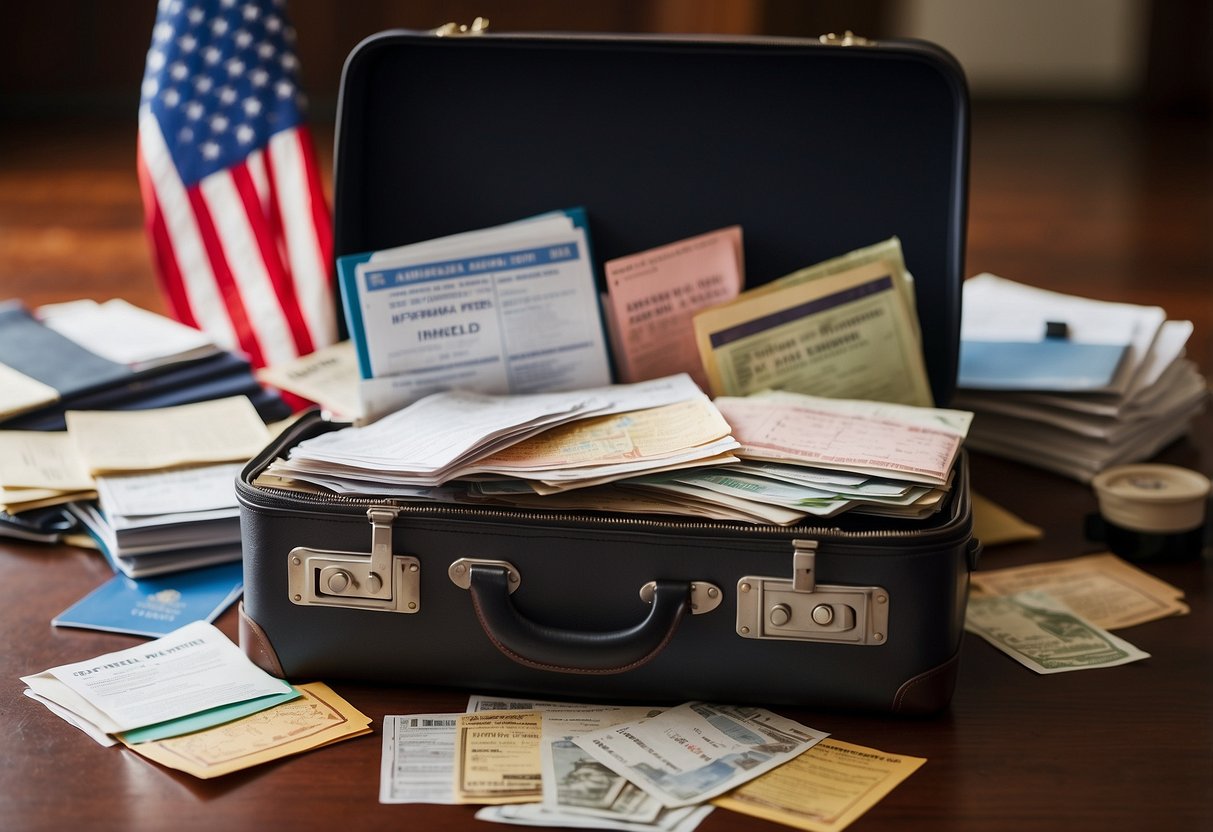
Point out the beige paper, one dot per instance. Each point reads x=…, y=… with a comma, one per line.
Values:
x=20, y=393
x=845, y=335
x=222, y=430
x=17, y=500
x=1103, y=589
x=825, y=789
x=42, y=459
x=993, y=524
x=318, y=718
x=328, y=377
x=497, y=757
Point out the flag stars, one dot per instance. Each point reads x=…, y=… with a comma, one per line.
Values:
x=155, y=60
x=228, y=96
x=235, y=67
x=210, y=151
x=244, y=38
x=179, y=71
x=273, y=24
x=186, y=134
x=252, y=107
x=195, y=15
x=170, y=97
x=187, y=43
x=219, y=27
x=265, y=50
x=289, y=61
x=203, y=84
x=284, y=89
x=259, y=77
x=245, y=134
x=212, y=55
x=162, y=32
x=250, y=12
x=219, y=124
x=194, y=111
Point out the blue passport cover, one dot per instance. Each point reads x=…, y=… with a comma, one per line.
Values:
x=157, y=605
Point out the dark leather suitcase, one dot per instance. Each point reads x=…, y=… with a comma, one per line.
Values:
x=814, y=148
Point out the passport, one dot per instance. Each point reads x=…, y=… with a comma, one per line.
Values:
x=156, y=606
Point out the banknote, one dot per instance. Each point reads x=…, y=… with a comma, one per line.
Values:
x=1041, y=633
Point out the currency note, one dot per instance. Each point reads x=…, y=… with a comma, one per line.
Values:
x=1041, y=633
x=697, y=750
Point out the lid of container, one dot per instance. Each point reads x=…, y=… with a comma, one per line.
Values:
x=1152, y=498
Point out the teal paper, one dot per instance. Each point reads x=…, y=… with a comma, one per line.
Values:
x=208, y=718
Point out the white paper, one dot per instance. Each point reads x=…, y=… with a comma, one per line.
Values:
x=697, y=750
x=127, y=334
x=175, y=491
x=418, y=761
x=95, y=734
x=192, y=669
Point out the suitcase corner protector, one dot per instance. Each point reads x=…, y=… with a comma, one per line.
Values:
x=256, y=645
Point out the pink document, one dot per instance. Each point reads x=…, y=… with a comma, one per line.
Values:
x=652, y=296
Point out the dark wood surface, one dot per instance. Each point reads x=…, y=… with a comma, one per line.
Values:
x=1094, y=200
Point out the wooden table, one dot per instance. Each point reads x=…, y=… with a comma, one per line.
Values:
x=1096, y=201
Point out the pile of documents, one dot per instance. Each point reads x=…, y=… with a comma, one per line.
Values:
x=84, y=355
x=192, y=701
x=657, y=447
x=1071, y=384
x=566, y=764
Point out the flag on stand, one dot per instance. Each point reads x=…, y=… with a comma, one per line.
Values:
x=235, y=211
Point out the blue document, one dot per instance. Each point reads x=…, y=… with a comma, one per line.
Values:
x=1053, y=364
x=158, y=605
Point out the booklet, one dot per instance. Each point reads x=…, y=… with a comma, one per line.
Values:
x=158, y=605
x=510, y=309
x=843, y=329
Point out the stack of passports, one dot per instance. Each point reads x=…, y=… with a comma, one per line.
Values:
x=76, y=379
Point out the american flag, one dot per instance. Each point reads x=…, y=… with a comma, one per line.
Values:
x=234, y=206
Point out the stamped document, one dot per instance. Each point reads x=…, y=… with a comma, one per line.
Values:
x=418, y=761
x=1041, y=633
x=696, y=751
x=1103, y=589
x=653, y=296
x=497, y=757
x=909, y=443
x=824, y=789
x=318, y=717
x=328, y=377
x=512, y=309
x=847, y=334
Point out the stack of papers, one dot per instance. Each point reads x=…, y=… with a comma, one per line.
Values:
x=192, y=701
x=657, y=447
x=1110, y=385
x=165, y=481
x=557, y=440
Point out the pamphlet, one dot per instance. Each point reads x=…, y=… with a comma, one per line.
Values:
x=511, y=309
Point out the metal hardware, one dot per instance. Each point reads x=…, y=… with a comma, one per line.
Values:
x=804, y=565
x=446, y=30
x=705, y=597
x=801, y=609
x=358, y=580
x=460, y=572
x=773, y=609
x=847, y=38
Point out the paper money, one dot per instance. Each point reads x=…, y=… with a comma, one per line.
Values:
x=1041, y=633
x=696, y=751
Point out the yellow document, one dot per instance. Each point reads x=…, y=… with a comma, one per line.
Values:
x=42, y=459
x=847, y=335
x=824, y=789
x=497, y=757
x=17, y=500
x=19, y=392
x=993, y=524
x=319, y=717
x=1103, y=589
x=222, y=430
x=631, y=437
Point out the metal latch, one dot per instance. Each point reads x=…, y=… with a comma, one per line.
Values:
x=801, y=609
x=378, y=581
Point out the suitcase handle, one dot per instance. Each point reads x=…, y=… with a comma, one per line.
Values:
x=573, y=651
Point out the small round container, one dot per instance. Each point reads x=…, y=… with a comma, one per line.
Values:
x=1151, y=512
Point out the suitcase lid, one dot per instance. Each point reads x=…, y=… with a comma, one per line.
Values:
x=814, y=148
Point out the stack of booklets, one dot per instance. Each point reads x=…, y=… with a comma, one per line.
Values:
x=1071, y=384
x=659, y=447
x=111, y=356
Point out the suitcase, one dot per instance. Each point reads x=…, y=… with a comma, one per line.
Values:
x=815, y=148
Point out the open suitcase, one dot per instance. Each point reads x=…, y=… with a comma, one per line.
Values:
x=814, y=148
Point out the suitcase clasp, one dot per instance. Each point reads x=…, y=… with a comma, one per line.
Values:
x=379, y=580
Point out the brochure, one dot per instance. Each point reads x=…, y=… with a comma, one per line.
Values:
x=510, y=309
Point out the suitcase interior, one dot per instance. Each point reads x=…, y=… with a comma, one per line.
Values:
x=813, y=149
